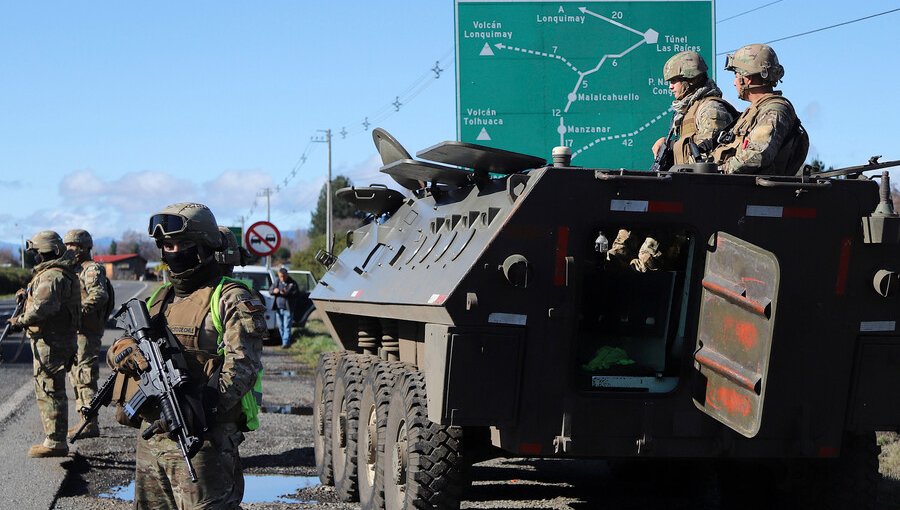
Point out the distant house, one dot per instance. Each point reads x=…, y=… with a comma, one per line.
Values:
x=128, y=266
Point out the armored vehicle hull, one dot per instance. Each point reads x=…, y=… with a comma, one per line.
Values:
x=580, y=312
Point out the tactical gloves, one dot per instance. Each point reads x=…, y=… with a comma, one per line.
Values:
x=126, y=357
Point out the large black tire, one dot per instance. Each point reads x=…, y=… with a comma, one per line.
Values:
x=849, y=482
x=423, y=461
x=345, y=423
x=373, y=409
x=322, y=405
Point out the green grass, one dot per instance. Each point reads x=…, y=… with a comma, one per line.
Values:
x=311, y=341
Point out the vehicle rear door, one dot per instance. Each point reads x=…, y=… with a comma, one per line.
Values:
x=734, y=334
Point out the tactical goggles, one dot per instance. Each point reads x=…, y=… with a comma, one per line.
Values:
x=166, y=225
x=29, y=246
x=729, y=62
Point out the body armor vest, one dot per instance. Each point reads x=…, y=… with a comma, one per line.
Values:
x=187, y=321
x=68, y=319
x=741, y=132
x=681, y=150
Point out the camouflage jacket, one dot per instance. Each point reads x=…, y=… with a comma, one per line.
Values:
x=703, y=121
x=759, y=135
x=93, y=296
x=53, y=301
x=242, y=315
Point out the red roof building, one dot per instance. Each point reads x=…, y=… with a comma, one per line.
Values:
x=127, y=266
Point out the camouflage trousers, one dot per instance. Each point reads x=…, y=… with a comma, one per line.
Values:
x=162, y=480
x=52, y=359
x=86, y=368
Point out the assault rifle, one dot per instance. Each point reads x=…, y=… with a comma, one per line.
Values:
x=101, y=399
x=20, y=305
x=161, y=384
x=665, y=158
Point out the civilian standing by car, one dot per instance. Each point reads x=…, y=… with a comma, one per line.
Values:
x=285, y=292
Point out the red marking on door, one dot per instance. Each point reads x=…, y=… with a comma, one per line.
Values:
x=729, y=400
x=665, y=207
x=562, y=249
x=798, y=212
x=746, y=334
x=530, y=448
x=840, y=285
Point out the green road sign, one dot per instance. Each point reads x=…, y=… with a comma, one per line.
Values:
x=238, y=233
x=532, y=75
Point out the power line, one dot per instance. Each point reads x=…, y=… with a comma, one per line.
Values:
x=819, y=29
x=748, y=12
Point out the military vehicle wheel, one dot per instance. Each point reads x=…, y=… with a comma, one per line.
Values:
x=373, y=406
x=322, y=403
x=345, y=423
x=423, y=462
x=849, y=482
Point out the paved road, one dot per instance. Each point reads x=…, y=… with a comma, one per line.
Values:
x=34, y=483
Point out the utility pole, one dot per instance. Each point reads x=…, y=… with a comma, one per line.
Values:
x=329, y=238
x=266, y=192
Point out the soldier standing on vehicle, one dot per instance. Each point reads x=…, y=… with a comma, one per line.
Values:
x=226, y=341
x=51, y=316
x=285, y=292
x=95, y=306
x=767, y=139
x=700, y=112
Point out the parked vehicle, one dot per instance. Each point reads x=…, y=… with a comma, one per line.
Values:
x=492, y=311
x=260, y=279
x=302, y=306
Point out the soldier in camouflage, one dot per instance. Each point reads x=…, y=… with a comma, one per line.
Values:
x=189, y=238
x=94, y=305
x=767, y=138
x=51, y=315
x=700, y=112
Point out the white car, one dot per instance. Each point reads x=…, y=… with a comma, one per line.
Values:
x=260, y=279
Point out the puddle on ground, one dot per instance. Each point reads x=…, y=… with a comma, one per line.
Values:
x=283, y=373
x=300, y=410
x=257, y=489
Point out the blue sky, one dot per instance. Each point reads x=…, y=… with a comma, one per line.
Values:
x=111, y=110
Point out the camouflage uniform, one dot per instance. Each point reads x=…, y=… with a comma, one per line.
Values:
x=161, y=477
x=760, y=133
x=51, y=316
x=94, y=299
x=767, y=138
x=702, y=114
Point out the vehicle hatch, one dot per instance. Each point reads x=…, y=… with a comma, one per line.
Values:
x=734, y=333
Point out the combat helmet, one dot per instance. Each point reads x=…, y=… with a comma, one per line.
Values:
x=46, y=241
x=186, y=220
x=756, y=59
x=80, y=237
x=231, y=254
x=686, y=64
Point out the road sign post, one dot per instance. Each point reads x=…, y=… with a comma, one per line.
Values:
x=263, y=239
x=532, y=75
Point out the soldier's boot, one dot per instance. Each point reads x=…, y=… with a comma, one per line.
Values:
x=649, y=257
x=39, y=451
x=621, y=250
x=91, y=430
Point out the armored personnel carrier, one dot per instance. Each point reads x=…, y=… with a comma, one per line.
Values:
x=512, y=307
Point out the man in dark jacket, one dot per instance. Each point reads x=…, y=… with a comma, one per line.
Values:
x=285, y=292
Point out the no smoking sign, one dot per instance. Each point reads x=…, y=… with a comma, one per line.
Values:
x=262, y=238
